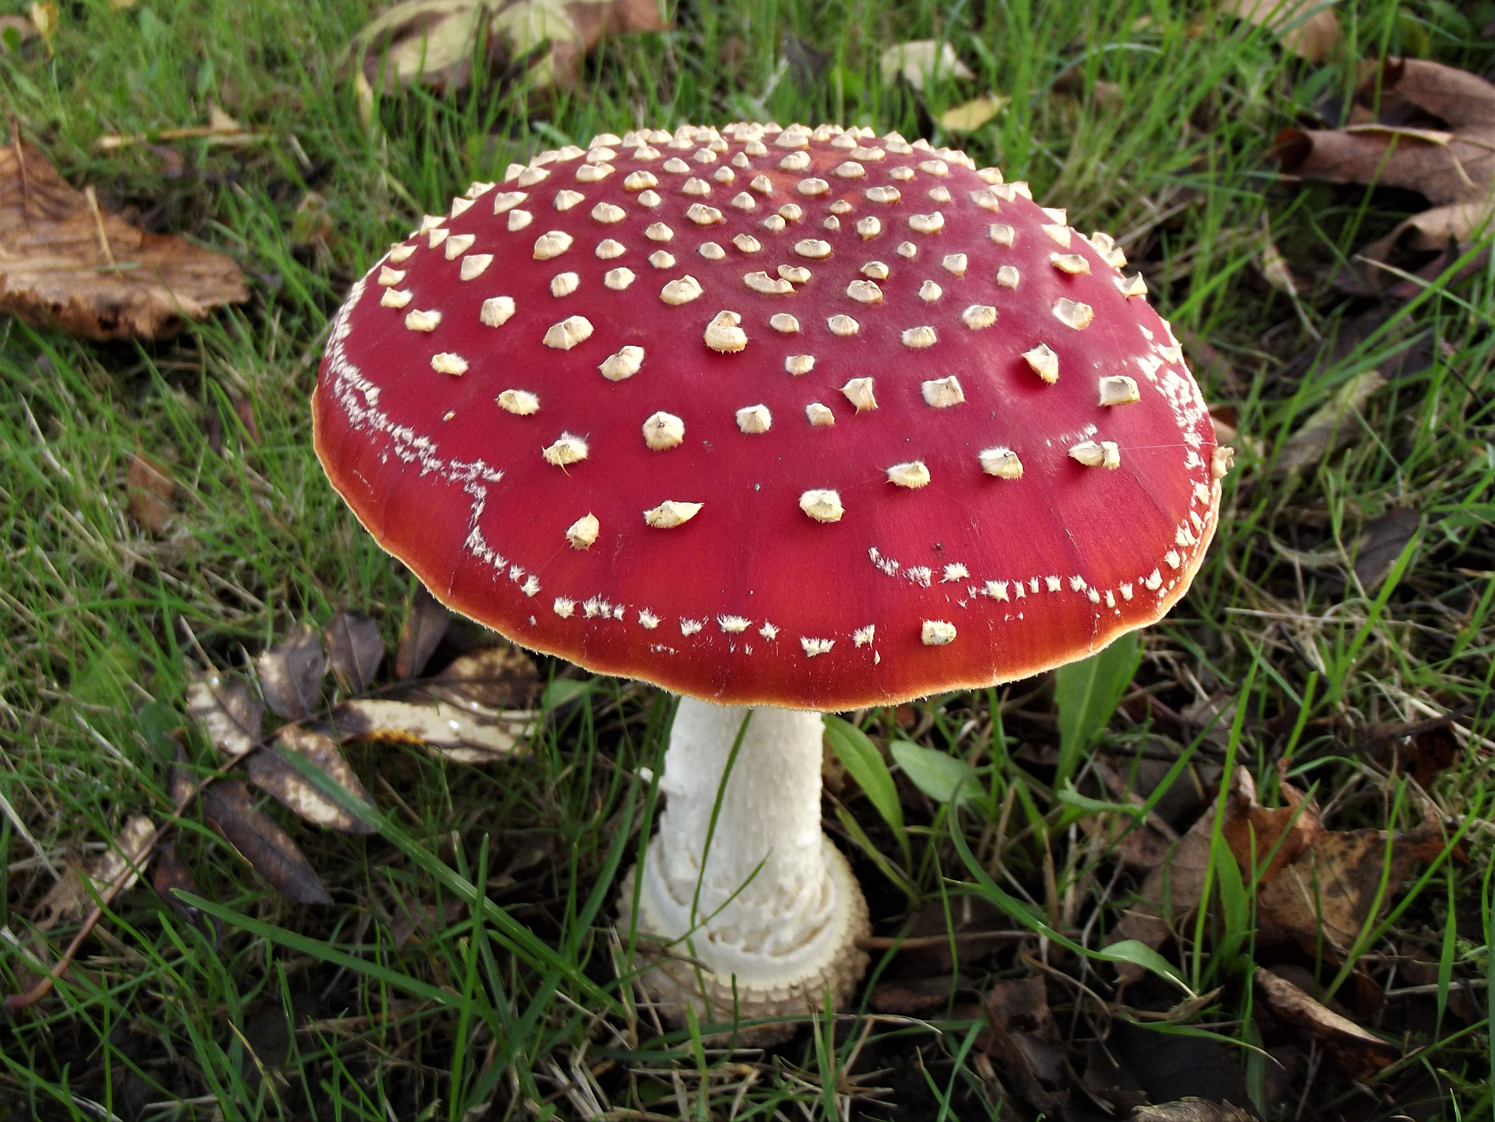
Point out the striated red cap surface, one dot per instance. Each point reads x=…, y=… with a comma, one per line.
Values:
x=812, y=419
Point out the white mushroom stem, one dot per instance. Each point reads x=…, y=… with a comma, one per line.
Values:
x=771, y=902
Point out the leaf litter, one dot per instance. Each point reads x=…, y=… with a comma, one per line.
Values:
x=1418, y=125
x=71, y=265
x=435, y=43
x=1313, y=883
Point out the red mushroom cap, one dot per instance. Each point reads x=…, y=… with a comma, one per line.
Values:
x=772, y=416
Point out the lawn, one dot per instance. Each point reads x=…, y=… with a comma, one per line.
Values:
x=1336, y=642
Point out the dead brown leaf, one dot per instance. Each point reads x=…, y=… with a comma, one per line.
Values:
x=491, y=678
x=269, y=770
x=1382, y=543
x=435, y=42
x=1330, y=427
x=1359, y=1052
x=72, y=266
x=1419, y=125
x=1190, y=1110
x=149, y=489
x=1319, y=884
x=229, y=713
x=73, y=897
x=445, y=730
x=425, y=625
x=1307, y=28
x=170, y=878
x=1255, y=833
x=354, y=648
x=291, y=673
x=971, y=115
x=15, y=30
x=229, y=808
x=1329, y=890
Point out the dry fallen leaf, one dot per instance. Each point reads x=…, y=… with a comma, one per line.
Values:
x=227, y=805
x=921, y=61
x=170, y=878
x=488, y=679
x=420, y=634
x=1329, y=428
x=1318, y=884
x=1328, y=891
x=355, y=649
x=291, y=672
x=73, y=897
x=1435, y=134
x=1308, y=28
x=1382, y=543
x=1190, y=1110
x=149, y=489
x=269, y=770
x=434, y=42
x=443, y=730
x=72, y=266
x=1359, y=1052
x=229, y=713
x=974, y=113
x=44, y=19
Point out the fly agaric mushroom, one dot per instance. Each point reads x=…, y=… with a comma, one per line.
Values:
x=777, y=418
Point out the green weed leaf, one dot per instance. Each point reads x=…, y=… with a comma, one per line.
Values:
x=860, y=757
x=944, y=778
x=1087, y=693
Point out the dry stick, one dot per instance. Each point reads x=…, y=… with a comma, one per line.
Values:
x=133, y=867
x=98, y=222
x=15, y=140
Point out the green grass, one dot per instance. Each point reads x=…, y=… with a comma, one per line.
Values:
x=511, y=997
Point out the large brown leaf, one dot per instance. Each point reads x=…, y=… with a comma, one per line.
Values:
x=1434, y=134
x=1418, y=125
x=271, y=770
x=1311, y=882
x=68, y=264
x=227, y=805
x=1359, y=1052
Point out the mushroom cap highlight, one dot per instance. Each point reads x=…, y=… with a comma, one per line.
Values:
x=638, y=406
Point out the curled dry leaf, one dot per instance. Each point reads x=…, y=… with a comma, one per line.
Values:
x=442, y=729
x=74, y=896
x=230, y=809
x=1418, y=125
x=229, y=713
x=421, y=633
x=1307, y=28
x=921, y=61
x=435, y=42
x=291, y=672
x=270, y=771
x=1435, y=134
x=1360, y=1053
x=72, y=266
x=354, y=648
x=149, y=489
x=1318, y=884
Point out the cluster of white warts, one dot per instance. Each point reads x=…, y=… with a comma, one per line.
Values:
x=663, y=430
